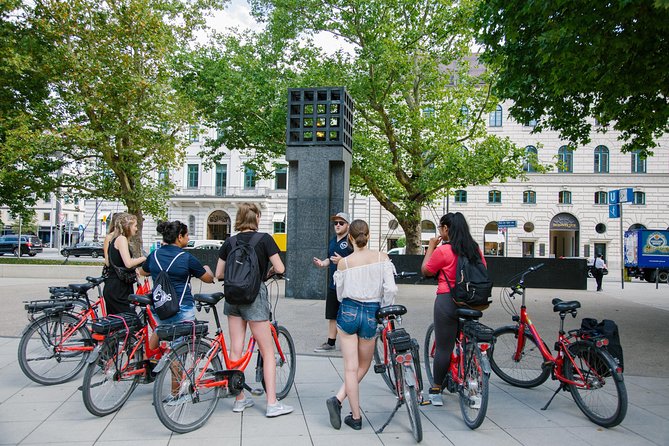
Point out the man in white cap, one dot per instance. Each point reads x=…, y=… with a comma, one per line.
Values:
x=338, y=248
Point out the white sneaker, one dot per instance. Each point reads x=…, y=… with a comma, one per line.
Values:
x=278, y=409
x=240, y=405
x=436, y=399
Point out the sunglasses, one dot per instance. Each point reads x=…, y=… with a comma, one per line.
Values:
x=339, y=223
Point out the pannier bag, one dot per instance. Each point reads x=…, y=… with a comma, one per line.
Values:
x=399, y=339
x=116, y=322
x=478, y=331
x=608, y=329
x=472, y=285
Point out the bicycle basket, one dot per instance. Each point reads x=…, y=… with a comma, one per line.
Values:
x=478, y=331
x=116, y=322
x=171, y=332
x=399, y=339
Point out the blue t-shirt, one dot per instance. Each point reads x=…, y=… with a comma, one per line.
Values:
x=341, y=247
x=184, y=266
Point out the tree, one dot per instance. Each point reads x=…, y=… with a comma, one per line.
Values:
x=115, y=121
x=420, y=98
x=562, y=63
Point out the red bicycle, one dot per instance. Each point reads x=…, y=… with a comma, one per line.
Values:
x=582, y=365
x=56, y=343
x=122, y=359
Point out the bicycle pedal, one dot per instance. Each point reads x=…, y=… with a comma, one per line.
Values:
x=379, y=368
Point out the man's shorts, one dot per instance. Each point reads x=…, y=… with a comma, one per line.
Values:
x=358, y=318
x=331, y=304
x=256, y=311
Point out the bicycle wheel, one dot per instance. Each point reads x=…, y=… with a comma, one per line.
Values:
x=45, y=351
x=527, y=371
x=411, y=401
x=285, y=368
x=603, y=396
x=181, y=400
x=429, y=348
x=108, y=381
x=387, y=374
x=474, y=389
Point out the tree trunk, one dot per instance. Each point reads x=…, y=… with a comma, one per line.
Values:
x=412, y=232
x=136, y=241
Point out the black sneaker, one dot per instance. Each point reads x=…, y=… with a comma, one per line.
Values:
x=334, y=409
x=352, y=422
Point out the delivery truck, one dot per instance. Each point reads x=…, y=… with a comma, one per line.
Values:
x=647, y=254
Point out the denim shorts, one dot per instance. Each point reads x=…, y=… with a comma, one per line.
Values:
x=358, y=318
x=256, y=311
x=186, y=313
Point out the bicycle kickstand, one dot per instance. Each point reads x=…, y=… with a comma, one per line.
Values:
x=562, y=387
x=397, y=406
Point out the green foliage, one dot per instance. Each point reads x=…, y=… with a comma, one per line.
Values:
x=112, y=119
x=410, y=74
x=565, y=63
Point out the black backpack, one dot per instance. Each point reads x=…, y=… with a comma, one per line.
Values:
x=242, y=272
x=472, y=285
x=163, y=295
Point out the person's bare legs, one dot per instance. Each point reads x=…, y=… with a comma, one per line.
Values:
x=263, y=335
x=357, y=354
x=237, y=328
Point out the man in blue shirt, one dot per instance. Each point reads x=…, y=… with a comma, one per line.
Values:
x=338, y=248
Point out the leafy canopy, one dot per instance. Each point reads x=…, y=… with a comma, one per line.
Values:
x=564, y=63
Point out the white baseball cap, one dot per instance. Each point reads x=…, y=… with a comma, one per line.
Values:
x=341, y=216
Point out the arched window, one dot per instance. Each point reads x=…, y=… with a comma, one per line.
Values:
x=530, y=158
x=638, y=163
x=601, y=159
x=565, y=160
x=529, y=197
x=427, y=226
x=494, y=196
x=495, y=119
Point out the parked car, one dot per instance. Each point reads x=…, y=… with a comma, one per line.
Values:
x=403, y=250
x=30, y=244
x=93, y=249
x=204, y=244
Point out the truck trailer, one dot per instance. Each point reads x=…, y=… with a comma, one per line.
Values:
x=647, y=254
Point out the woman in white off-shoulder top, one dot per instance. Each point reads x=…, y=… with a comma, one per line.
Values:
x=365, y=281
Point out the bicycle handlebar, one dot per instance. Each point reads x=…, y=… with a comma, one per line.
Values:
x=515, y=289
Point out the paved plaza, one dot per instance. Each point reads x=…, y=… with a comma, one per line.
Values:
x=34, y=414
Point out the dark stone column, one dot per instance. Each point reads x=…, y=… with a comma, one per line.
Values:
x=319, y=158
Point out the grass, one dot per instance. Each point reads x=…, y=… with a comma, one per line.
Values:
x=37, y=261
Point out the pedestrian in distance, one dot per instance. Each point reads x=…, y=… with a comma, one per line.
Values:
x=118, y=255
x=338, y=248
x=256, y=314
x=365, y=281
x=598, y=270
x=441, y=260
x=180, y=266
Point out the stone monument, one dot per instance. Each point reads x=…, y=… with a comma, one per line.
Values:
x=318, y=140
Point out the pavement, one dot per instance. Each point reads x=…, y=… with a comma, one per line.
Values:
x=35, y=414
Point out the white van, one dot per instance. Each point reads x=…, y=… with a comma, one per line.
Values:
x=204, y=244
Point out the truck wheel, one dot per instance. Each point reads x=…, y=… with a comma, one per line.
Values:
x=664, y=276
x=649, y=276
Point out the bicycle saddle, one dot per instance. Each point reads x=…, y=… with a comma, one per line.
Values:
x=142, y=299
x=211, y=299
x=394, y=310
x=468, y=313
x=95, y=280
x=81, y=288
x=559, y=305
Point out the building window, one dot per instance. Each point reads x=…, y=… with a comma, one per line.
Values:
x=565, y=160
x=193, y=134
x=46, y=216
x=460, y=196
x=638, y=164
x=221, y=179
x=601, y=159
x=279, y=227
x=428, y=112
x=281, y=178
x=639, y=198
x=47, y=199
x=564, y=197
x=530, y=157
x=531, y=123
x=494, y=196
x=249, y=178
x=193, y=176
x=529, y=197
x=163, y=176
x=601, y=197
x=495, y=119
x=464, y=115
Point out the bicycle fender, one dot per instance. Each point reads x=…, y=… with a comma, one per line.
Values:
x=409, y=376
x=93, y=357
x=485, y=363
